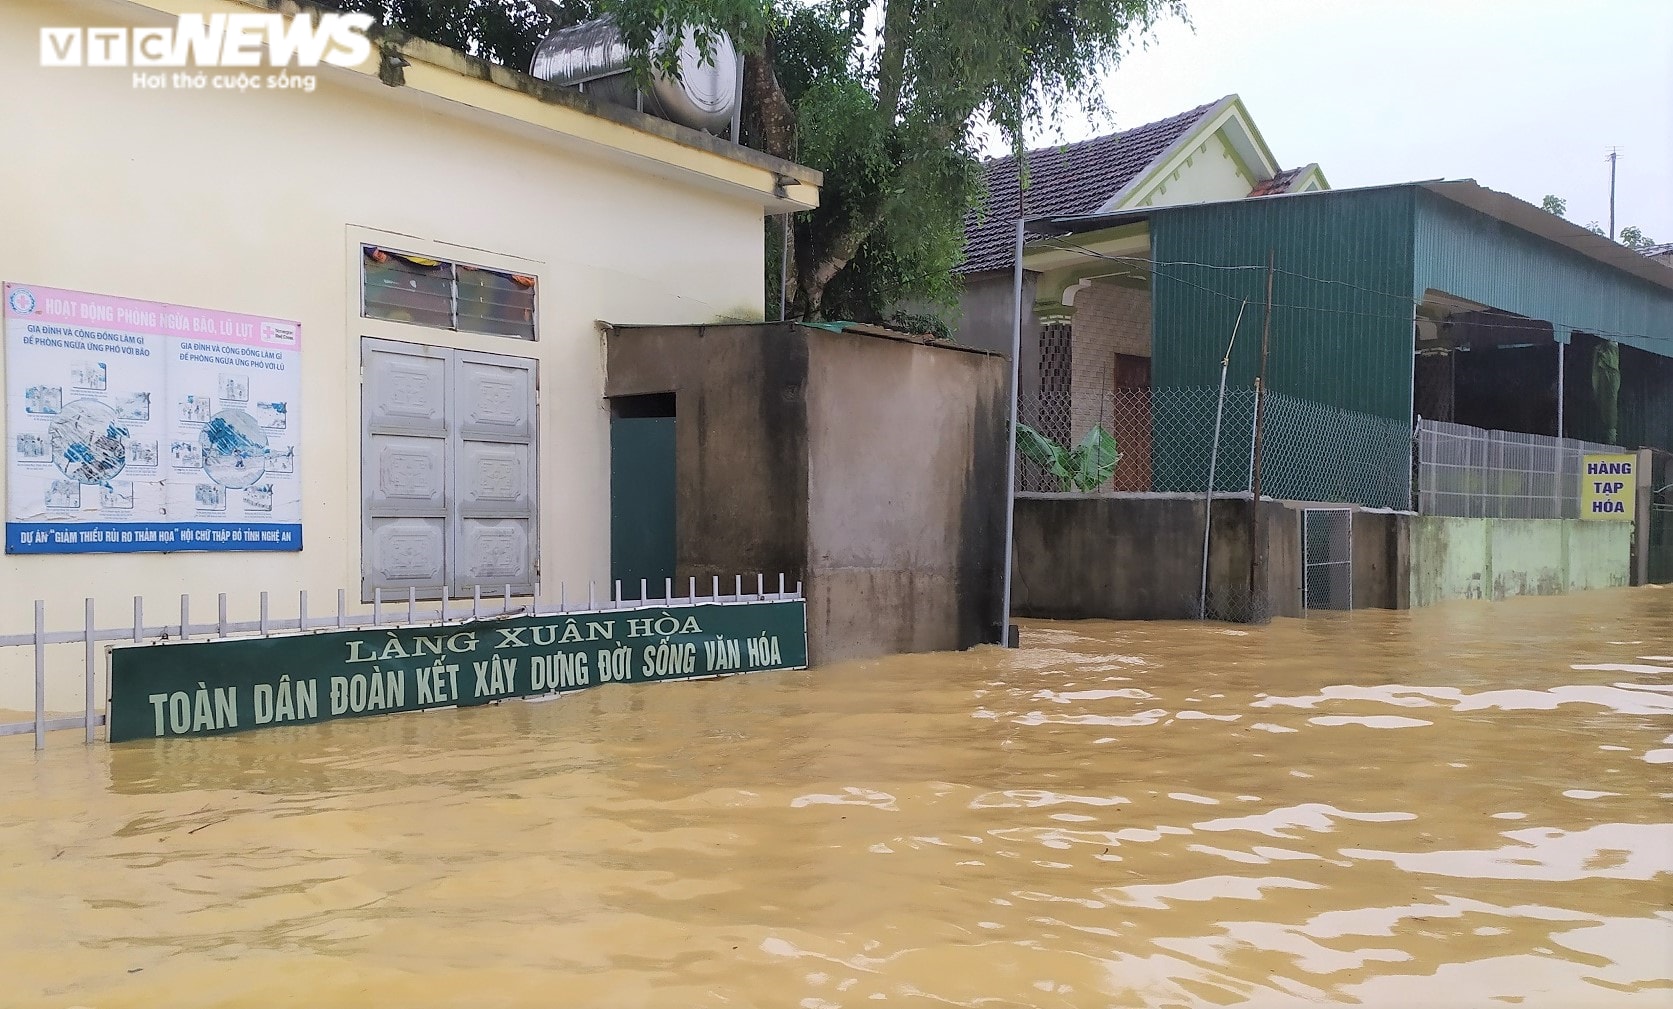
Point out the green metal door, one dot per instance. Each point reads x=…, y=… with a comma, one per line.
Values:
x=641, y=502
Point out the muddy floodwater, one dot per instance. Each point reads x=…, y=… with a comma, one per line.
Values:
x=1470, y=805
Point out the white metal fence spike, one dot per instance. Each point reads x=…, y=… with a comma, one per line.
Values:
x=506, y=608
x=341, y=606
x=412, y=604
x=644, y=590
x=444, y=604
x=264, y=614
x=139, y=619
x=185, y=616
x=221, y=614
x=377, y=606
x=476, y=602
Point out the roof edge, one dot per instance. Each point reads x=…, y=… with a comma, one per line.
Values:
x=1184, y=140
x=387, y=42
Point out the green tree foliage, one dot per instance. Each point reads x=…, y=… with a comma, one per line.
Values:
x=884, y=96
x=1631, y=236
x=500, y=31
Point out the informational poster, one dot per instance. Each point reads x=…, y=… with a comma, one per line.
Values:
x=139, y=426
x=1608, y=487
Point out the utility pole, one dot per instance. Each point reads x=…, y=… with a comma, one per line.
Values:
x=1257, y=552
x=1614, y=156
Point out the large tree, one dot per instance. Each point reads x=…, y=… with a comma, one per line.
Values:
x=884, y=96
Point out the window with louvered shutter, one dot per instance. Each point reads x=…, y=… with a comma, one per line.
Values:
x=423, y=291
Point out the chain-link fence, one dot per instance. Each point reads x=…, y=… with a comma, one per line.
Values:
x=1166, y=438
x=1469, y=472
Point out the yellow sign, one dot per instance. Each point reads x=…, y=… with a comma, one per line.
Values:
x=1607, y=485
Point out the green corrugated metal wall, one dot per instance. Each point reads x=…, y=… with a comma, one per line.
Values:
x=1341, y=333
x=1331, y=343
x=1469, y=254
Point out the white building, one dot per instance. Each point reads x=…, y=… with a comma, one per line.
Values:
x=443, y=242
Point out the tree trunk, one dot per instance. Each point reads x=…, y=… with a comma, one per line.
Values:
x=836, y=251
x=769, y=120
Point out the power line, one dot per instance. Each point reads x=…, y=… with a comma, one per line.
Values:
x=1152, y=267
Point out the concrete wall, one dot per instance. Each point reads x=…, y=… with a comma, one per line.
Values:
x=255, y=202
x=1138, y=557
x=905, y=495
x=1135, y=557
x=1463, y=558
x=870, y=468
x=740, y=438
x=1382, y=560
x=985, y=310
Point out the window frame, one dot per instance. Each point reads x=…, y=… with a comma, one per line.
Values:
x=365, y=245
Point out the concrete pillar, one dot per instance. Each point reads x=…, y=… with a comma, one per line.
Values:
x=1642, y=497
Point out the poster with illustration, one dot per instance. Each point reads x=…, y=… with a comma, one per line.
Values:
x=97, y=387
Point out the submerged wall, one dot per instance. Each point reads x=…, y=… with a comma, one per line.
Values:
x=1139, y=557
x=1081, y=556
x=1464, y=558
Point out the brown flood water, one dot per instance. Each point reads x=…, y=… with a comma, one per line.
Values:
x=1463, y=806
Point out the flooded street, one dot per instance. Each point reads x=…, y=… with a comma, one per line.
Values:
x=1461, y=806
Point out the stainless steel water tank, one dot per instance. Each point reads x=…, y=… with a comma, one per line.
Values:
x=592, y=58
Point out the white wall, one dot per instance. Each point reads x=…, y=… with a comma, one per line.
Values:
x=256, y=203
x=1208, y=172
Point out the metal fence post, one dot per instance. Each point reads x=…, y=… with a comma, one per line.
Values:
x=88, y=637
x=40, y=674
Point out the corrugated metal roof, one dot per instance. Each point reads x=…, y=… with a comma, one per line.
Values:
x=1466, y=192
x=1071, y=179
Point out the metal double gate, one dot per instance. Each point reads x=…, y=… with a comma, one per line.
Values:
x=1327, y=559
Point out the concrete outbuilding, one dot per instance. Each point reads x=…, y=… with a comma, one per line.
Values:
x=869, y=463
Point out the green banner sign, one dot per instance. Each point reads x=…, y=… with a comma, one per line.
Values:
x=199, y=688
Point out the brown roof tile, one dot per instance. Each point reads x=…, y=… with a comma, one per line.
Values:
x=1062, y=181
x=1279, y=183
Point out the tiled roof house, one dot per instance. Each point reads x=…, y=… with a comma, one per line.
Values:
x=1092, y=335
x=1211, y=152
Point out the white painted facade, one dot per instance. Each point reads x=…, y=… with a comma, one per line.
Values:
x=259, y=203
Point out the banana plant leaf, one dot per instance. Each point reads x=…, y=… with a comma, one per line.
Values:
x=1093, y=461
x=1043, y=452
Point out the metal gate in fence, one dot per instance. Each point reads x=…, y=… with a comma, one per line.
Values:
x=1327, y=559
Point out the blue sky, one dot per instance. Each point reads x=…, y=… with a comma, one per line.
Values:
x=1524, y=96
